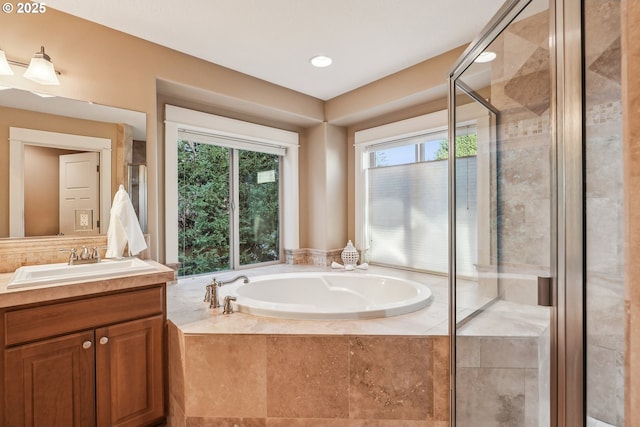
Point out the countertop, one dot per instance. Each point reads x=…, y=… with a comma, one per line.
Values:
x=83, y=287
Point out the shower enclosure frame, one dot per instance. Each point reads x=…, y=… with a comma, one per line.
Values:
x=567, y=356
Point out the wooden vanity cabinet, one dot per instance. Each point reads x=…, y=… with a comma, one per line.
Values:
x=129, y=373
x=51, y=383
x=95, y=361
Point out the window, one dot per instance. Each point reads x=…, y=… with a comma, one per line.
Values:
x=259, y=207
x=403, y=208
x=228, y=207
x=231, y=196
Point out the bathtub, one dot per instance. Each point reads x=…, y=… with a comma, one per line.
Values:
x=329, y=295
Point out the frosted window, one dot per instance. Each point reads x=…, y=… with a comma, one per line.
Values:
x=408, y=215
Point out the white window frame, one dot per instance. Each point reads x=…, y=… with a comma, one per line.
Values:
x=378, y=135
x=238, y=134
x=428, y=123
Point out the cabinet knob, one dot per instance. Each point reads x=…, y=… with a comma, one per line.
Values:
x=104, y=340
x=86, y=344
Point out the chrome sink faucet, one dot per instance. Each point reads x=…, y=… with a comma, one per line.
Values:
x=86, y=255
x=211, y=295
x=73, y=255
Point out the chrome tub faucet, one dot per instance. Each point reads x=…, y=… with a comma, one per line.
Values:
x=228, y=308
x=211, y=295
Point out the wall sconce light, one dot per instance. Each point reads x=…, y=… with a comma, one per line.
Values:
x=39, y=70
x=5, y=70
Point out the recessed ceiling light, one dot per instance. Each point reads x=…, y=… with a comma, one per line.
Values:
x=321, y=61
x=487, y=56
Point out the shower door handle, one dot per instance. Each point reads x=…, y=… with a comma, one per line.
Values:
x=545, y=291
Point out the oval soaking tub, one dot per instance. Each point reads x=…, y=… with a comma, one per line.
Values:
x=325, y=295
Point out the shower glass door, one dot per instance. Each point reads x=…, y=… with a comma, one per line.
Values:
x=502, y=335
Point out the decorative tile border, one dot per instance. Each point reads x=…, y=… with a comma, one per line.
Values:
x=604, y=113
x=526, y=127
x=312, y=256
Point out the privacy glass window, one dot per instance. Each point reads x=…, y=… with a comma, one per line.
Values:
x=228, y=207
x=407, y=199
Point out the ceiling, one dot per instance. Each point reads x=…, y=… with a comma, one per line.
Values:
x=274, y=39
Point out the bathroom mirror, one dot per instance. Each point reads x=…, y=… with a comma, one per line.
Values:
x=26, y=110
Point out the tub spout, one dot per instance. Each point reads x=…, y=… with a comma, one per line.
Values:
x=226, y=282
x=212, y=290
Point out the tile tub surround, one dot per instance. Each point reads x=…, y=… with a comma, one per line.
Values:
x=309, y=380
x=247, y=370
x=255, y=371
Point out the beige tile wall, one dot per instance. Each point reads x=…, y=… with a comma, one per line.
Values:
x=275, y=380
x=312, y=256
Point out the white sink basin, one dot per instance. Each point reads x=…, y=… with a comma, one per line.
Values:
x=34, y=275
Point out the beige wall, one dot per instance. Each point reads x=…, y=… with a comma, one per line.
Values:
x=316, y=184
x=112, y=68
x=326, y=187
x=41, y=190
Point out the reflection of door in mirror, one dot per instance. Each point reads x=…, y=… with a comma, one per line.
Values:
x=23, y=140
x=79, y=193
x=41, y=183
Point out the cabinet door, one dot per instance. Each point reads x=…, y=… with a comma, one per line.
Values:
x=129, y=372
x=51, y=383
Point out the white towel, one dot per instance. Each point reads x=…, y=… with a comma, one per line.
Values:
x=123, y=227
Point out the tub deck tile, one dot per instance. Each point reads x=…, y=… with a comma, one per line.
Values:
x=307, y=377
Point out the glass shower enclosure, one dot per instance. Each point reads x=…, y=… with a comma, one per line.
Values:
x=502, y=306
x=537, y=323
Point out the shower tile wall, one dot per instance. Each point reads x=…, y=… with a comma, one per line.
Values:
x=503, y=368
x=508, y=371
x=520, y=90
x=519, y=217
x=604, y=212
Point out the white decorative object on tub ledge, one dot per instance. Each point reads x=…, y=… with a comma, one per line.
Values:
x=363, y=266
x=349, y=256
